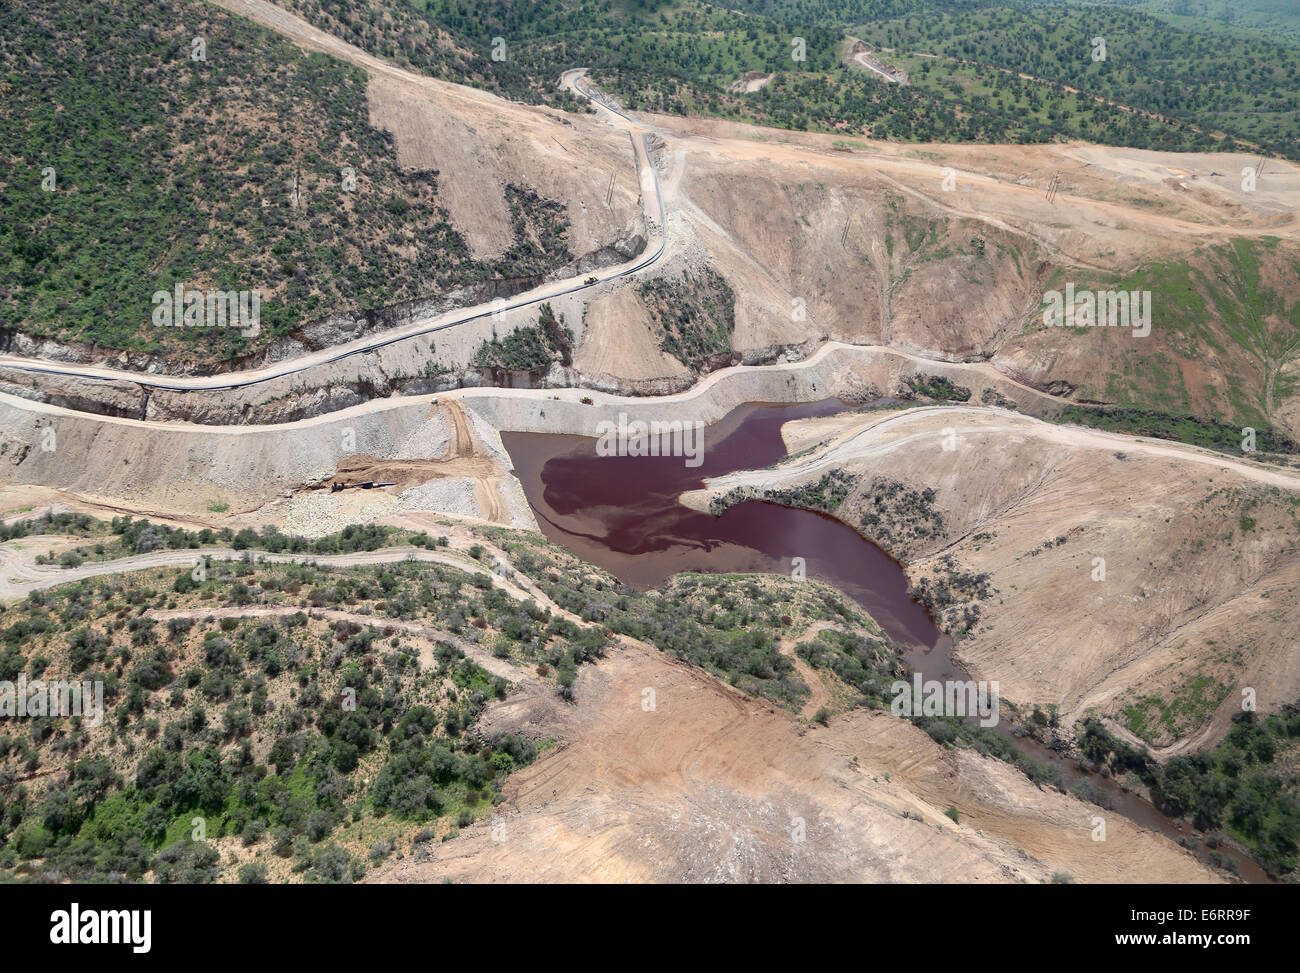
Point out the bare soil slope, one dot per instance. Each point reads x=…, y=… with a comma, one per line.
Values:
x=713, y=786
x=1143, y=581
x=480, y=143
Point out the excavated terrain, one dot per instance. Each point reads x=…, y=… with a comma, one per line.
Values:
x=1121, y=570
x=854, y=267
x=714, y=786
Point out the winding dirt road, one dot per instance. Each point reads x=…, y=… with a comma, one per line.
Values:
x=651, y=195
x=869, y=441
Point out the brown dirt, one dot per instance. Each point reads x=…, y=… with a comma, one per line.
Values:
x=712, y=785
x=479, y=143
x=819, y=693
x=1188, y=591
x=618, y=340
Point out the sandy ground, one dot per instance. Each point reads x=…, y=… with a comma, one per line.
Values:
x=713, y=786
x=204, y=476
x=1187, y=592
x=619, y=342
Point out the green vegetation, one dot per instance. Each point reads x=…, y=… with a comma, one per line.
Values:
x=953, y=731
x=996, y=399
x=230, y=177
x=827, y=494
x=307, y=740
x=937, y=387
x=1236, y=302
x=264, y=731
x=695, y=317
x=529, y=349
x=125, y=536
x=1193, y=430
x=74, y=525
x=1273, y=18
x=222, y=173
x=318, y=743
x=730, y=625
x=900, y=521
x=893, y=516
x=897, y=517
x=1246, y=786
x=1192, y=84
x=952, y=595
x=868, y=663
x=1191, y=703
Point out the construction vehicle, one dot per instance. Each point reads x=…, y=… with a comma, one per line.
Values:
x=336, y=486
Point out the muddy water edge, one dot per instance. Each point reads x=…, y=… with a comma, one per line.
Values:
x=622, y=514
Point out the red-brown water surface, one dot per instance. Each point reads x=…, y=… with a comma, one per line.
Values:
x=622, y=514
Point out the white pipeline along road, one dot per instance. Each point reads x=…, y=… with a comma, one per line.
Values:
x=650, y=189
x=868, y=440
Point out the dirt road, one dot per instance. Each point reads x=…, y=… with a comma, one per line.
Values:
x=871, y=440
x=18, y=575
x=484, y=660
x=304, y=33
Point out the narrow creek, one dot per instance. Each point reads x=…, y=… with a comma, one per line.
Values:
x=622, y=514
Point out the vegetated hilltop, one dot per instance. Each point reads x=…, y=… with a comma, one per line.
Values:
x=1047, y=65
x=132, y=167
x=685, y=57
x=1276, y=19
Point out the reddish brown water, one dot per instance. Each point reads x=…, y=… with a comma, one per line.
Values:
x=621, y=513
